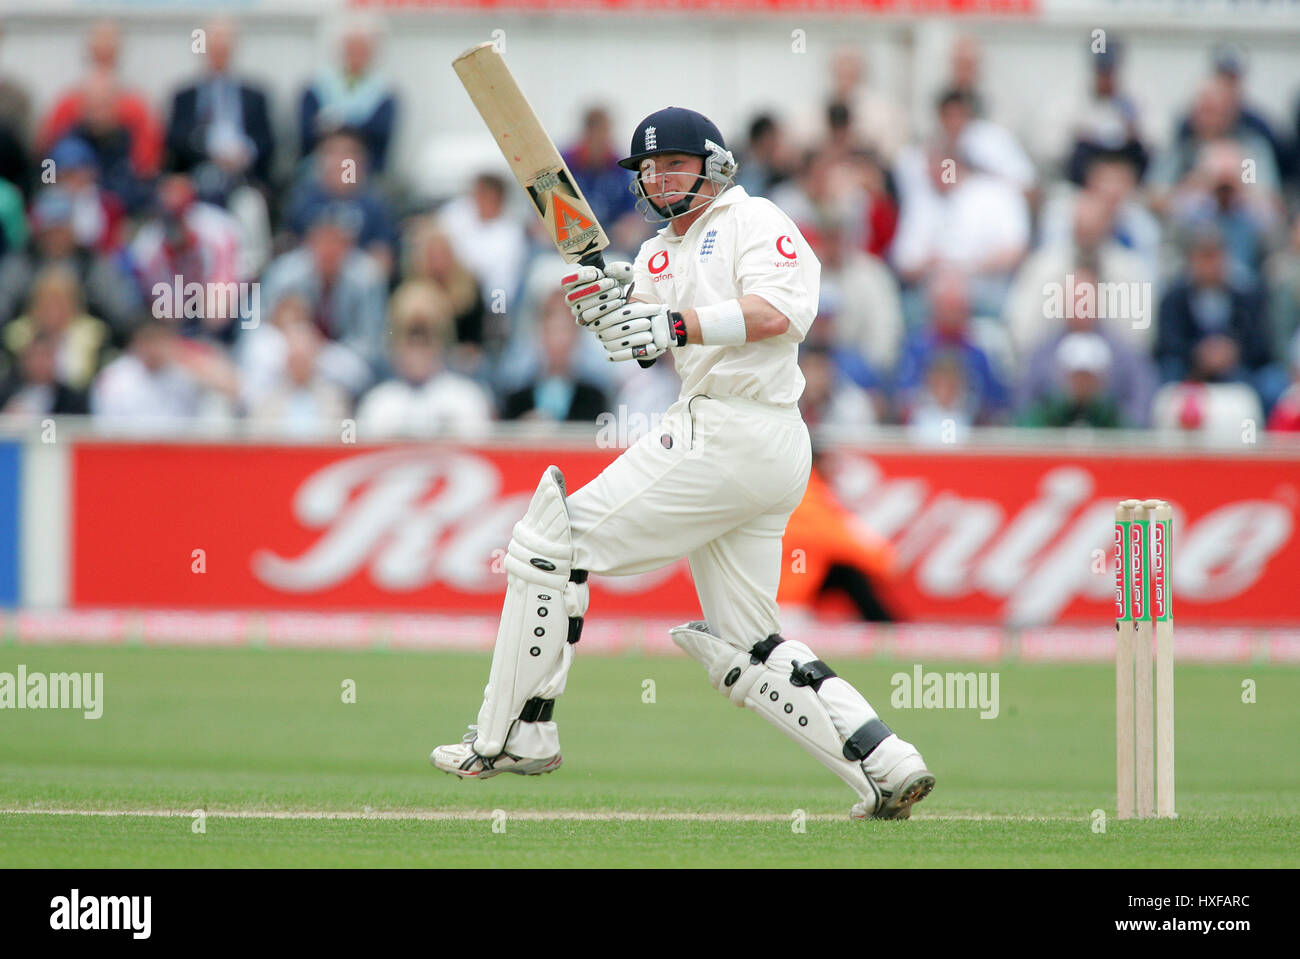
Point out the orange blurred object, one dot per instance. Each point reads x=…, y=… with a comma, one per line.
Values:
x=820, y=534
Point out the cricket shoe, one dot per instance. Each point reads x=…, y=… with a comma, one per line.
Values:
x=460, y=760
x=898, y=772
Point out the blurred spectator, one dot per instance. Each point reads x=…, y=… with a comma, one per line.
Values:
x=874, y=184
x=985, y=145
x=1229, y=65
x=351, y=94
x=1214, y=193
x=115, y=118
x=1282, y=273
x=429, y=256
x=593, y=160
x=841, y=137
x=927, y=393
x=1214, y=117
x=56, y=310
x=1129, y=377
x=340, y=180
x=942, y=408
x=964, y=219
x=263, y=354
x=557, y=392
x=110, y=144
x=13, y=218
x=516, y=363
x=1106, y=122
x=964, y=62
x=98, y=216
x=848, y=187
x=108, y=291
x=15, y=122
x=878, y=122
x=1112, y=177
x=219, y=129
x=1084, y=362
x=1218, y=412
x=187, y=241
x=305, y=402
x=423, y=398
x=33, y=387
x=1212, y=328
x=1286, y=413
x=830, y=399
x=1031, y=310
x=859, y=300
x=344, y=288
x=768, y=160
x=163, y=384
x=823, y=189
x=488, y=240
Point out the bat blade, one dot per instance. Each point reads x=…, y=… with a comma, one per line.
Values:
x=531, y=155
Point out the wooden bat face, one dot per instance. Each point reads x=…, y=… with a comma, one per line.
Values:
x=532, y=157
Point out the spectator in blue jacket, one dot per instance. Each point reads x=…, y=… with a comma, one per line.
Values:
x=1213, y=328
x=340, y=180
x=351, y=94
x=947, y=331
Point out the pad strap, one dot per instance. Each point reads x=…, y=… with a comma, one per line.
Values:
x=537, y=710
x=811, y=674
x=578, y=577
x=763, y=648
x=868, y=736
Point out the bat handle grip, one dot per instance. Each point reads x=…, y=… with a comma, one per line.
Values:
x=598, y=261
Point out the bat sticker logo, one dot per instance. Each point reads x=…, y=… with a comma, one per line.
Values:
x=568, y=219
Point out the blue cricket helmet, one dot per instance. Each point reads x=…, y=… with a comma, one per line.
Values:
x=672, y=130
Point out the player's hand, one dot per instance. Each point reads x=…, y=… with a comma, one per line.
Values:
x=592, y=293
x=642, y=331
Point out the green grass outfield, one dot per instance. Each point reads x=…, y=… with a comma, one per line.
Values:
x=262, y=741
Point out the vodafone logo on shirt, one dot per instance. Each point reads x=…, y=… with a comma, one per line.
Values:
x=658, y=263
x=785, y=246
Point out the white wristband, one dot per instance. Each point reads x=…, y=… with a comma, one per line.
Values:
x=722, y=324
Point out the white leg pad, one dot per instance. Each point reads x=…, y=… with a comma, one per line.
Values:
x=540, y=619
x=818, y=723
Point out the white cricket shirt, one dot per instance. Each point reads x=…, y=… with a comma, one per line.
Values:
x=741, y=245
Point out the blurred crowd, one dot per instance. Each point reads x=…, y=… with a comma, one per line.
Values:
x=172, y=260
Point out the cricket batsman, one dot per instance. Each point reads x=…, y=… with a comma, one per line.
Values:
x=730, y=286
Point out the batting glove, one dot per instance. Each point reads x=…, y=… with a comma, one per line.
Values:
x=642, y=331
x=592, y=293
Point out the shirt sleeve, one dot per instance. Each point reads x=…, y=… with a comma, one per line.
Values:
x=774, y=261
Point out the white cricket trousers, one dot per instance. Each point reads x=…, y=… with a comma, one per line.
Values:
x=715, y=483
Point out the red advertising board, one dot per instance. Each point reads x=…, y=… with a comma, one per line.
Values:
x=915, y=8
x=866, y=7
x=979, y=537
x=1030, y=538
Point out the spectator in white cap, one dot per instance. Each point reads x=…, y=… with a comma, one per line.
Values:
x=1084, y=360
x=1131, y=377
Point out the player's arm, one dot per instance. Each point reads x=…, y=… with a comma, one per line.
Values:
x=775, y=266
x=643, y=330
x=759, y=319
x=773, y=302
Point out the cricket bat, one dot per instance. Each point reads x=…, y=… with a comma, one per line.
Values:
x=532, y=157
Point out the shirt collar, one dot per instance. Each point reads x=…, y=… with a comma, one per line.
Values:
x=729, y=197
